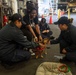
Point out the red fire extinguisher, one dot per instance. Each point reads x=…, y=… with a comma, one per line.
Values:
x=5, y=20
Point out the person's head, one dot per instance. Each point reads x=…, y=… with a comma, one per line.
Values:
x=43, y=20
x=32, y=13
x=17, y=20
x=30, y=4
x=63, y=23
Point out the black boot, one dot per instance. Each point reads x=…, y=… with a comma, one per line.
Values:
x=64, y=60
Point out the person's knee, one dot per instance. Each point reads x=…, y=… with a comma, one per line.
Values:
x=29, y=36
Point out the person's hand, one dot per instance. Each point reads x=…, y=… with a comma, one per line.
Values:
x=47, y=31
x=35, y=39
x=44, y=31
x=64, y=51
x=40, y=38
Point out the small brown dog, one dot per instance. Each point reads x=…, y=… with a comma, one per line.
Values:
x=39, y=50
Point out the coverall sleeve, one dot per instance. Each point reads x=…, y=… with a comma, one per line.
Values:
x=19, y=38
x=57, y=40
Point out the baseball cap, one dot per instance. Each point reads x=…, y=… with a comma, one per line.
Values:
x=63, y=20
x=18, y=17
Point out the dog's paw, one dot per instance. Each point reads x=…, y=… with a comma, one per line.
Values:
x=45, y=52
x=37, y=57
x=42, y=56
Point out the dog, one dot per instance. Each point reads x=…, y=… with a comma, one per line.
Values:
x=39, y=50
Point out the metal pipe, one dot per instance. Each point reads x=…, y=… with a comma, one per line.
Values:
x=69, y=13
x=14, y=6
x=59, y=13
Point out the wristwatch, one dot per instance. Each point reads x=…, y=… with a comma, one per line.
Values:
x=35, y=37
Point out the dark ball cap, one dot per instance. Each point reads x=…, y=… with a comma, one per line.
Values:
x=18, y=17
x=63, y=20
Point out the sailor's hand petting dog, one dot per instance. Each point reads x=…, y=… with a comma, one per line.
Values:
x=40, y=38
x=35, y=39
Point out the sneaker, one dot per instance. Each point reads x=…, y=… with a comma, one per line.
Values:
x=32, y=53
x=58, y=57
